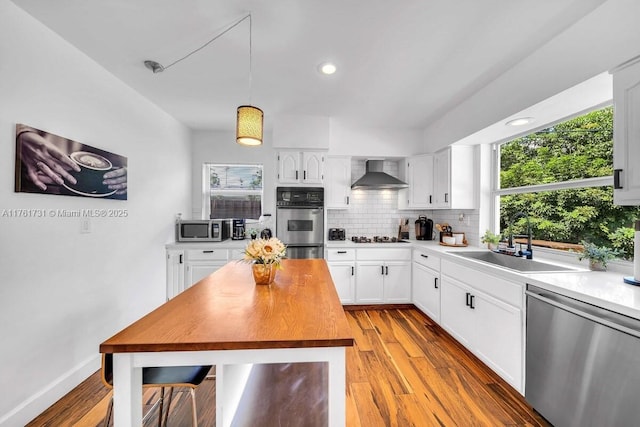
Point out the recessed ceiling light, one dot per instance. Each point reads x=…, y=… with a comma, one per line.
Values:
x=327, y=68
x=521, y=121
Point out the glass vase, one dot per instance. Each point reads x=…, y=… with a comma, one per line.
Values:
x=263, y=274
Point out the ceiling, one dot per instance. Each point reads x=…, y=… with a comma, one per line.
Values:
x=400, y=64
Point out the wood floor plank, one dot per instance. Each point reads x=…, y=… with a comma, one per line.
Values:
x=404, y=370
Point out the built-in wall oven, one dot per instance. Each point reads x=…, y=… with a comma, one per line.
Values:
x=300, y=220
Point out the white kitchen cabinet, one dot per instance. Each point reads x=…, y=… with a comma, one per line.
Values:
x=342, y=266
x=202, y=262
x=337, y=182
x=454, y=181
x=425, y=283
x=344, y=278
x=417, y=171
x=370, y=282
x=301, y=167
x=626, y=133
x=484, y=313
x=383, y=276
x=187, y=266
x=175, y=272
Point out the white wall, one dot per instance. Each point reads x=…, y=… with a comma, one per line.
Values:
x=597, y=43
x=61, y=292
x=351, y=140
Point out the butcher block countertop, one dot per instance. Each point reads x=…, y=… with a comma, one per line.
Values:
x=228, y=311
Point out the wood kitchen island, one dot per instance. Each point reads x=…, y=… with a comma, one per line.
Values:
x=227, y=321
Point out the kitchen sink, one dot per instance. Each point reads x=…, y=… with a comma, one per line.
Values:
x=519, y=264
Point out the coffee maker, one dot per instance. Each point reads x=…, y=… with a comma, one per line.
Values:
x=238, y=227
x=424, y=228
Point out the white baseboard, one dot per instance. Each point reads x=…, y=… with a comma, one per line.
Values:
x=50, y=393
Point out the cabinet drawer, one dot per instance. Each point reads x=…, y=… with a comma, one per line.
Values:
x=206, y=254
x=386, y=254
x=505, y=290
x=334, y=254
x=427, y=259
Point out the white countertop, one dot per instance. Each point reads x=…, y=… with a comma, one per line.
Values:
x=603, y=289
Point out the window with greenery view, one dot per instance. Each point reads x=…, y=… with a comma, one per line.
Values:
x=233, y=191
x=561, y=177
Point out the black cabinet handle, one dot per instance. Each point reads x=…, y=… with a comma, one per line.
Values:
x=304, y=175
x=472, y=301
x=207, y=252
x=430, y=197
x=353, y=272
x=342, y=252
x=424, y=256
x=435, y=282
x=347, y=199
x=446, y=197
x=616, y=179
x=386, y=270
x=382, y=270
x=296, y=174
x=180, y=259
x=468, y=303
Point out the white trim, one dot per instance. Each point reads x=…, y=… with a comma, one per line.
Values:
x=563, y=185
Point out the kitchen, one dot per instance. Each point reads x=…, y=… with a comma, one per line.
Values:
x=65, y=291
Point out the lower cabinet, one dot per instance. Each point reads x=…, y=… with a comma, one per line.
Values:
x=491, y=328
x=344, y=278
x=426, y=290
x=188, y=266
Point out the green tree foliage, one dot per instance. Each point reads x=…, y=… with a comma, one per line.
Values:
x=576, y=149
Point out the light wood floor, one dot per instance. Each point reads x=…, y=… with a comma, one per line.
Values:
x=403, y=371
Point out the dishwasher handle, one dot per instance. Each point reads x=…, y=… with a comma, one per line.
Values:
x=602, y=316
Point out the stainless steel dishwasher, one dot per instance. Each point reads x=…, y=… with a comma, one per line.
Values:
x=583, y=362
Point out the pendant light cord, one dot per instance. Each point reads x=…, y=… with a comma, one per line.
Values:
x=232, y=26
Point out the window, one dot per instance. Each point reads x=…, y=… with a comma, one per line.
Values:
x=232, y=191
x=561, y=177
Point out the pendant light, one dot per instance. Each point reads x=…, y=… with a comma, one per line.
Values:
x=249, y=120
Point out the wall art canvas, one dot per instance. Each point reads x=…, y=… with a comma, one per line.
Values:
x=51, y=164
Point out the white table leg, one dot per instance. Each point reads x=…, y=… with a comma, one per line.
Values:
x=337, y=386
x=127, y=391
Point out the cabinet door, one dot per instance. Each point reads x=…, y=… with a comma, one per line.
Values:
x=337, y=182
x=420, y=177
x=498, y=339
x=197, y=272
x=289, y=167
x=175, y=272
x=442, y=179
x=426, y=291
x=312, y=167
x=455, y=315
x=626, y=135
x=397, y=282
x=369, y=282
x=344, y=275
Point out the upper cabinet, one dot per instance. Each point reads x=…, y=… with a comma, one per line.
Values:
x=454, y=181
x=301, y=167
x=417, y=171
x=444, y=180
x=626, y=133
x=337, y=183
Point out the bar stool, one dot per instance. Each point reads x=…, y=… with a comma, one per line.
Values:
x=167, y=376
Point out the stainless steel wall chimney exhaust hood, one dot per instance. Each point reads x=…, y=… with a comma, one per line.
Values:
x=375, y=179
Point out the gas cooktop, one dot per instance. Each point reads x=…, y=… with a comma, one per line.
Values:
x=376, y=239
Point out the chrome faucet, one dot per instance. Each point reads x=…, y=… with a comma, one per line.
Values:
x=529, y=252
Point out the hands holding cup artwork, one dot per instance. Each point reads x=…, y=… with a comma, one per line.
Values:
x=84, y=172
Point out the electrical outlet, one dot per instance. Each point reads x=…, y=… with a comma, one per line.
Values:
x=85, y=226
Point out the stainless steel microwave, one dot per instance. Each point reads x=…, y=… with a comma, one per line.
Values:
x=202, y=230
